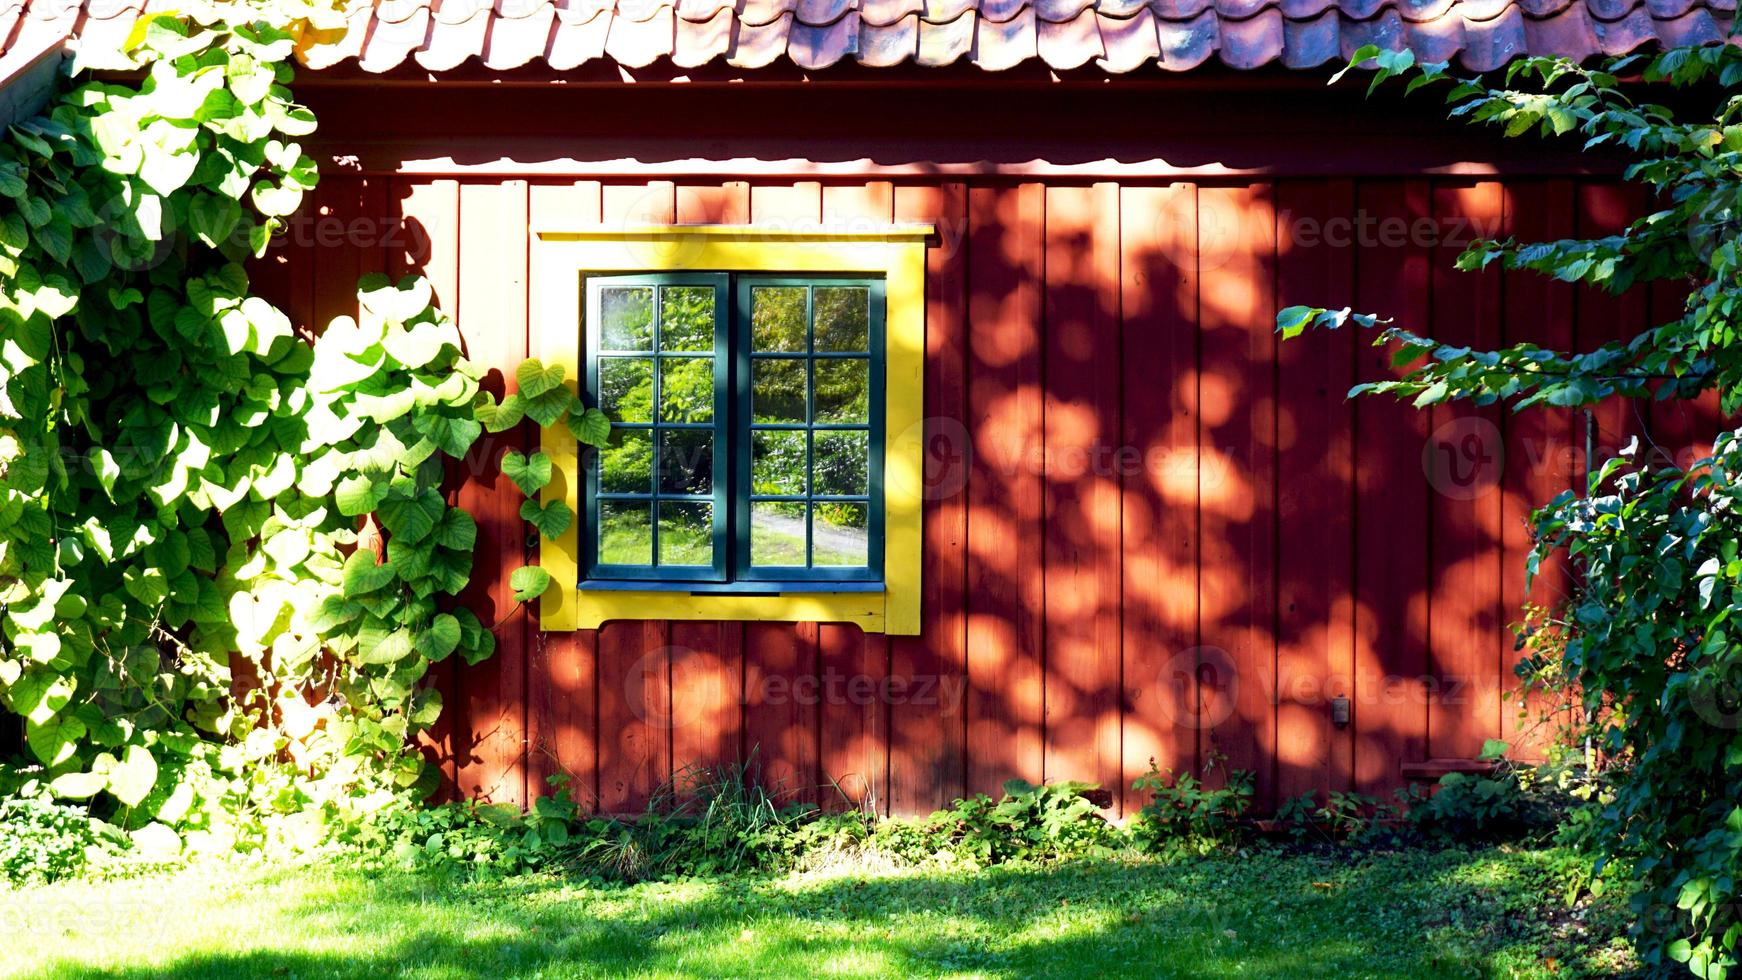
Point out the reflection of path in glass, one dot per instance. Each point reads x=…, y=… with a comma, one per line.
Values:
x=832, y=545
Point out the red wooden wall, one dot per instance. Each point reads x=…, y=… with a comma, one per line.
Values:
x=1155, y=533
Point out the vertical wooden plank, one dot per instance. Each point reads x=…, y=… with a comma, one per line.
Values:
x=652, y=203
x=425, y=240
x=634, y=714
x=858, y=207
x=1159, y=502
x=338, y=260
x=493, y=320
x=705, y=672
x=854, y=721
x=1390, y=522
x=562, y=676
x=927, y=673
x=714, y=204
x=1237, y=481
x=1080, y=556
x=1607, y=208
x=1314, y=435
x=797, y=205
x=1006, y=592
x=1464, y=463
x=780, y=707
x=855, y=713
x=1540, y=446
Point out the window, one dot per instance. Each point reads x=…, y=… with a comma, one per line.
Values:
x=703, y=507
x=746, y=450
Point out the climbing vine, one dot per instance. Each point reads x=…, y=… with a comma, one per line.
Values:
x=188, y=485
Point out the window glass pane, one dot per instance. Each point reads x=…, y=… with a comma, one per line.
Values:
x=626, y=318
x=686, y=462
x=686, y=318
x=626, y=464
x=626, y=388
x=777, y=534
x=777, y=463
x=777, y=389
x=842, y=464
x=843, y=389
x=839, y=533
x=686, y=533
x=625, y=532
x=777, y=318
x=686, y=389
x=843, y=315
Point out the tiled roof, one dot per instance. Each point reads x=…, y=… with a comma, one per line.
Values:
x=1110, y=35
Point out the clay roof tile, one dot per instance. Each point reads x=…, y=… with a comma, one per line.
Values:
x=639, y=43
x=699, y=42
x=1186, y=44
x=1253, y=42
x=1490, y=43
x=1310, y=43
x=1070, y=44
x=1001, y=44
x=574, y=44
x=757, y=45
x=882, y=13
x=1057, y=11
x=1131, y=42
x=942, y=44
x=887, y=45
x=812, y=47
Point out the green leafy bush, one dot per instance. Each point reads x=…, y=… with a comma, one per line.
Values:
x=42, y=840
x=1186, y=813
x=1044, y=822
x=1646, y=640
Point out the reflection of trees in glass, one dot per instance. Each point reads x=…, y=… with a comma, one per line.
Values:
x=626, y=388
x=843, y=318
x=777, y=318
x=626, y=318
x=777, y=389
x=686, y=533
x=626, y=462
x=686, y=318
x=686, y=392
x=843, y=389
x=842, y=462
x=779, y=465
x=686, y=462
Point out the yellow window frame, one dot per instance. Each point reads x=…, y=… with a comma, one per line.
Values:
x=563, y=258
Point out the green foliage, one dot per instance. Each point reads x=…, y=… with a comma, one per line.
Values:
x=1186, y=813
x=1514, y=802
x=187, y=484
x=1645, y=638
x=42, y=840
x=1692, y=166
x=1031, y=822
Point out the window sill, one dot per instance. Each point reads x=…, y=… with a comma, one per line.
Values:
x=731, y=588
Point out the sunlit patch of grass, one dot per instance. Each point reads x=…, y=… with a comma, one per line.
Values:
x=1417, y=913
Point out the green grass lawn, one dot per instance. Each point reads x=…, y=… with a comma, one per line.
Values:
x=1426, y=914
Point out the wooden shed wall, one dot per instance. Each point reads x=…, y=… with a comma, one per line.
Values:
x=1154, y=532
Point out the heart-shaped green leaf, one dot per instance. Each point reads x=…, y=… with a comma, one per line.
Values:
x=551, y=520
x=590, y=426
x=536, y=379
x=499, y=417
x=529, y=473
x=440, y=639
x=133, y=777
x=528, y=582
